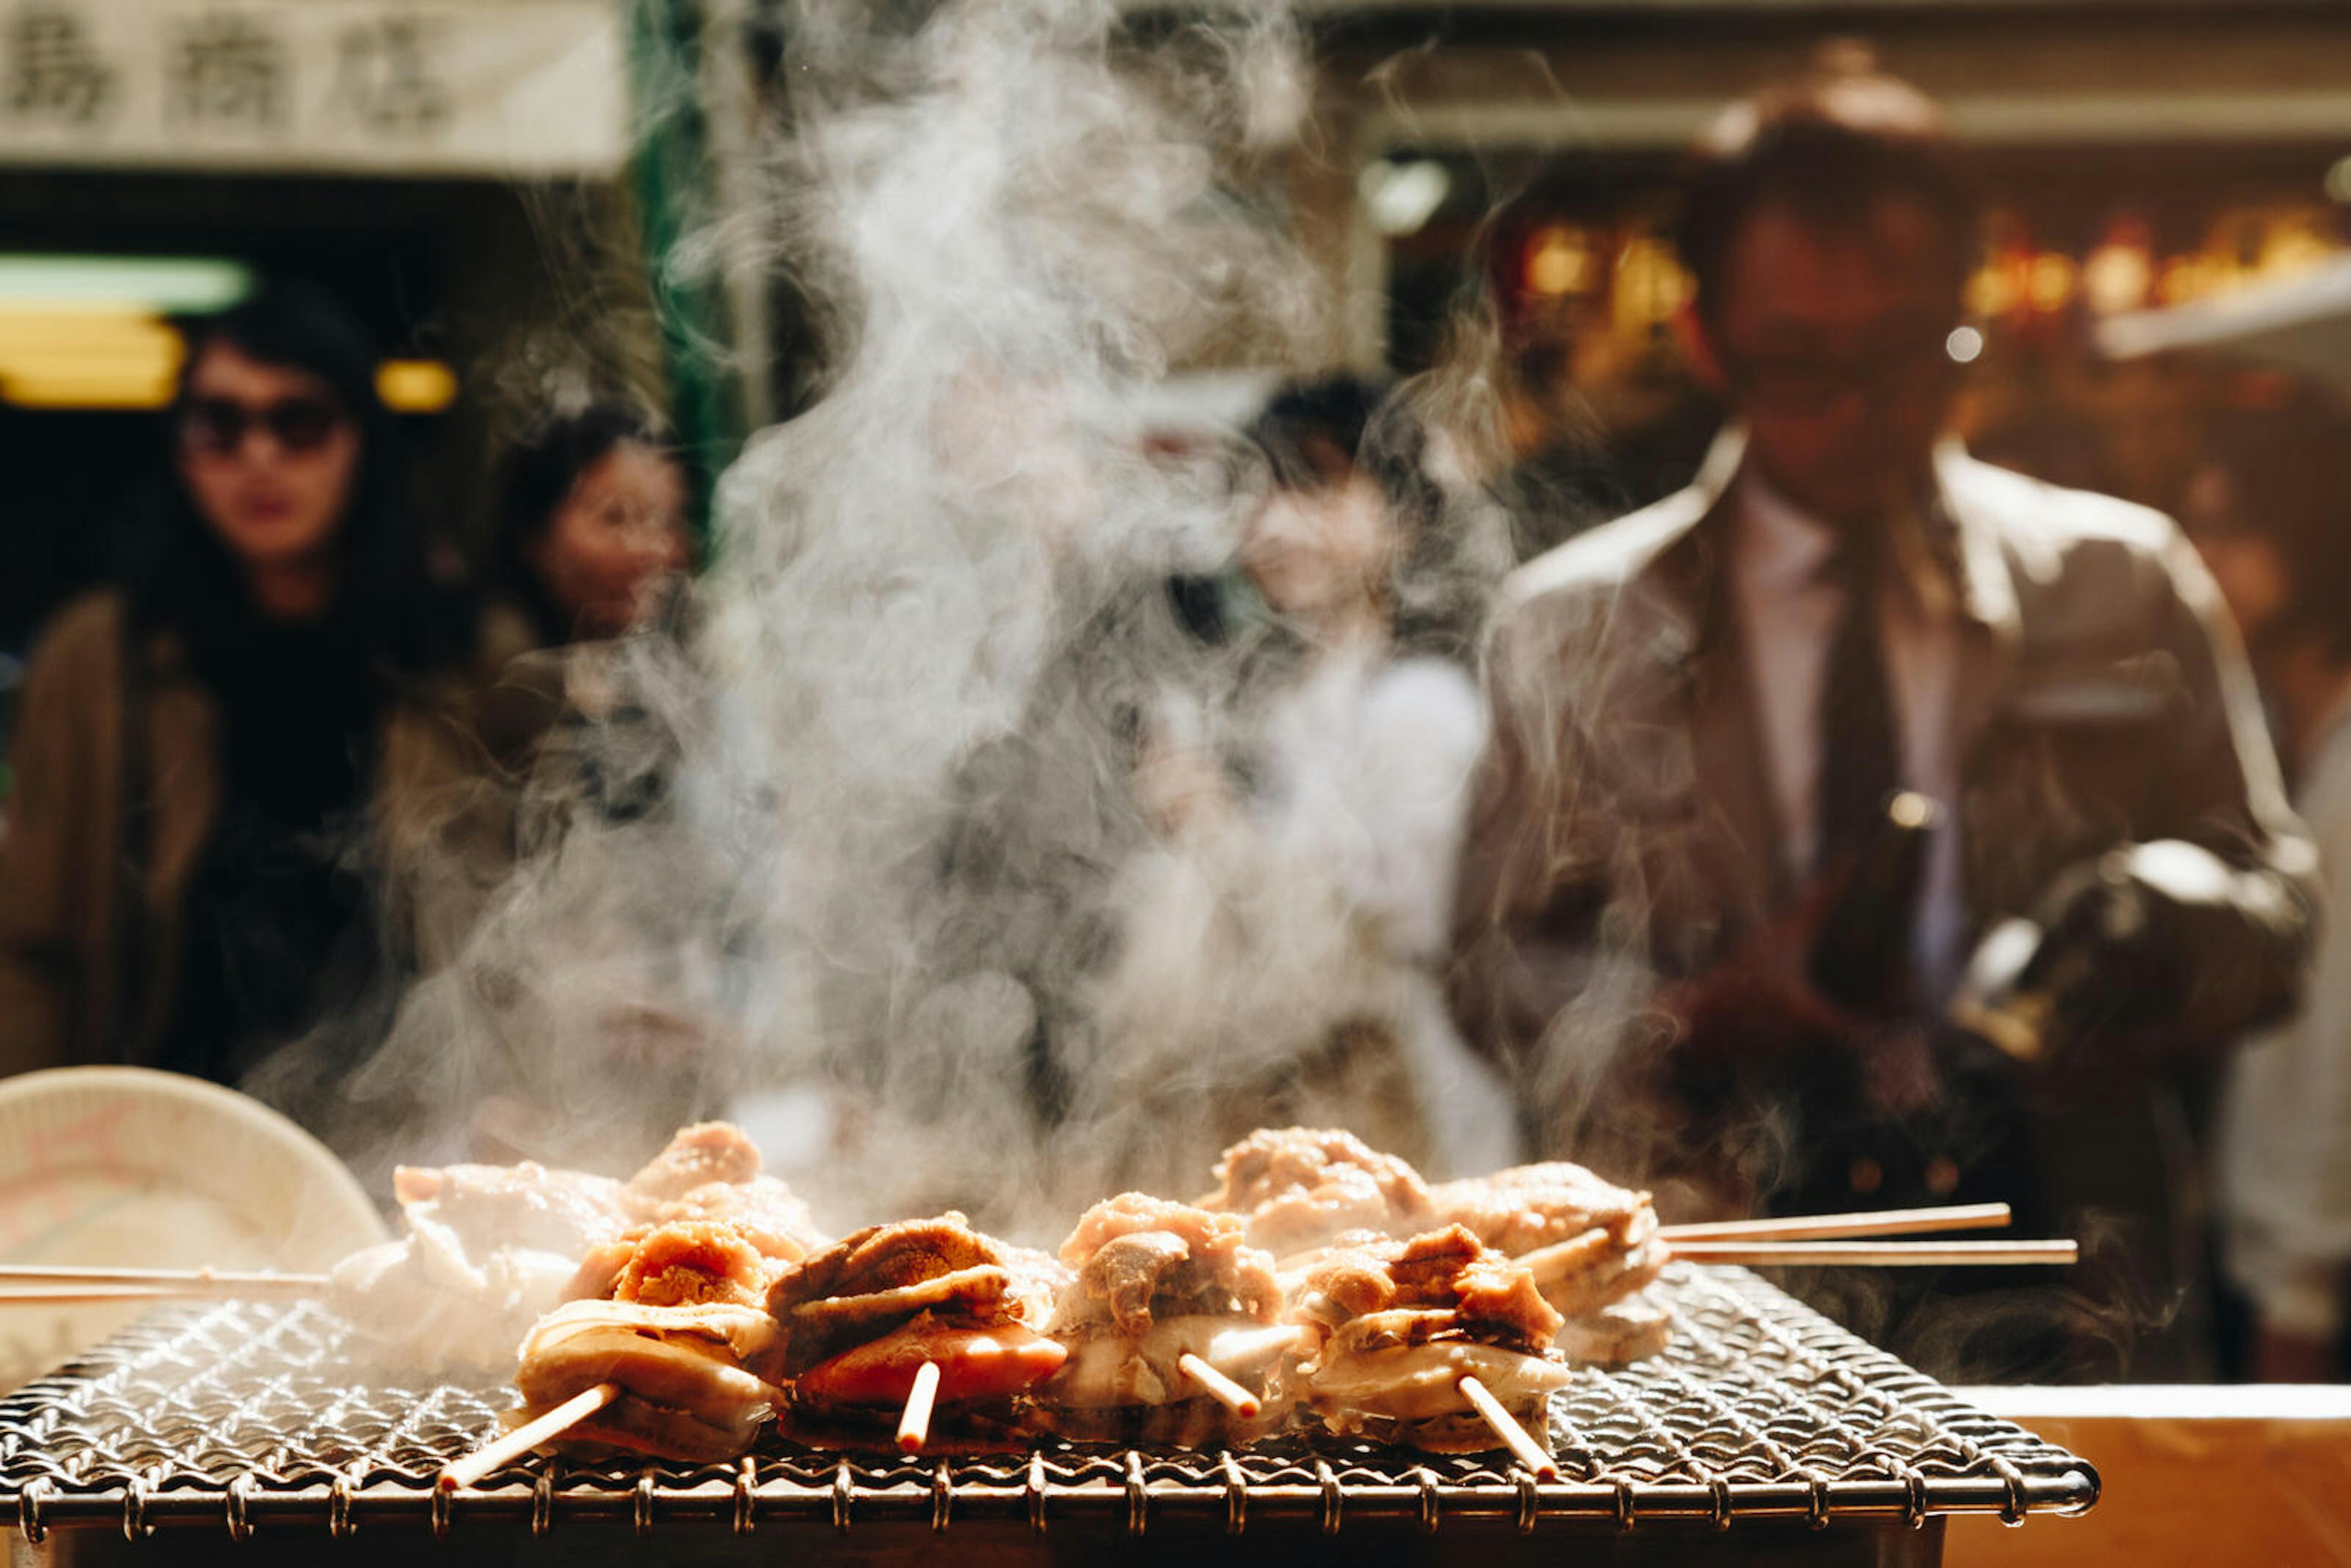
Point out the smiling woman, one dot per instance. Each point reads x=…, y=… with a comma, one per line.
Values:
x=592, y=523
x=219, y=762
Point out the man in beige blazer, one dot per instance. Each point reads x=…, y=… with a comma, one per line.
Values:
x=1704, y=714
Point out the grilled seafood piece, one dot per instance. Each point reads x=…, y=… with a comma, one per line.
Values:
x=696, y=1157
x=1400, y=1323
x=1527, y=1207
x=528, y=1206
x=1297, y=1187
x=861, y=1317
x=688, y=1338
x=1591, y=1244
x=490, y=1249
x=1156, y=1281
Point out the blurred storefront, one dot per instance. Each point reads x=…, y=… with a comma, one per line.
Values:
x=476, y=176
x=452, y=167
x=2138, y=152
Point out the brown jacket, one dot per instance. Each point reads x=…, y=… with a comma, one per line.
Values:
x=1623, y=834
x=88, y=961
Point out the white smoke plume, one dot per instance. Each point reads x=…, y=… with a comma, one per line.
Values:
x=862, y=855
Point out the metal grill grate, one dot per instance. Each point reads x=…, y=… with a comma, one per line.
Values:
x=242, y=1413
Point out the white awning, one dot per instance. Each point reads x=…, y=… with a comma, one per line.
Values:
x=2300, y=323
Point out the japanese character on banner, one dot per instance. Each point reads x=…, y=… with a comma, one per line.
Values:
x=225, y=68
x=52, y=70
x=386, y=77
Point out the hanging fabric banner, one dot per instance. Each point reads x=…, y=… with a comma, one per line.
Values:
x=498, y=88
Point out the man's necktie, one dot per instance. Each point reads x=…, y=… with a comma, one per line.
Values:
x=1860, y=952
x=1861, y=759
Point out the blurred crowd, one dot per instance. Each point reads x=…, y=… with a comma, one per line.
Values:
x=1854, y=823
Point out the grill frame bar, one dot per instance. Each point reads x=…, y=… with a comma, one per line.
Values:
x=140, y=1512
x=1762, y=1413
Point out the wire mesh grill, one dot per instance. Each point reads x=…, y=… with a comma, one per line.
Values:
x=240, y=1414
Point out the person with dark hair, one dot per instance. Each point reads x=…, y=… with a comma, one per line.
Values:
x=1327, y=842
x=1423, y=561
x=2270, y=508
x=591, y=537
x=221, y=763
x=591, y=682
x=591, y=521
x=1325, y=545
x=1865, y=825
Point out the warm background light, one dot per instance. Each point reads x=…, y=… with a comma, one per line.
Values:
x=116, y=357
x=89, y=332
x=94, y=332
x=415, y=386
x=1560, y=261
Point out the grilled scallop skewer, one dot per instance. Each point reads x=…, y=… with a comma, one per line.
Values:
x=1593, y=1246
x=863, y=1320
x=679, y=1363
x=1438, y=1342
x=1300, y=1190
x=1173, y=1324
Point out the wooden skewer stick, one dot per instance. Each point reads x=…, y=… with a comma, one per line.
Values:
x=35, y=1295
x=1880, y=1254
x=1881, y=1222
x=914, y=1425
x=1220, y=1388
x=464, y=1472
x=212, y=1279
x=1506, y=1427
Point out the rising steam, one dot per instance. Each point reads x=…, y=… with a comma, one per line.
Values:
x=862, y=856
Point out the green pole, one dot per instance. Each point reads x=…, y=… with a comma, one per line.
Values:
x=672, y=176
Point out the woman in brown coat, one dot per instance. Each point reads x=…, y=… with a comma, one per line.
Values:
x=240, y=776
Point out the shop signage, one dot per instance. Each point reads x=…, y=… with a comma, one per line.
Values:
x=518, y=88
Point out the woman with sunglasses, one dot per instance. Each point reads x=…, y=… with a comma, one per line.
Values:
x=224, y=763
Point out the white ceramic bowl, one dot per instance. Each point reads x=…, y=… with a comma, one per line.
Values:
x=128, y=1167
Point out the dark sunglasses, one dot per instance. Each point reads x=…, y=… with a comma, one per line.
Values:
x=219, y=424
